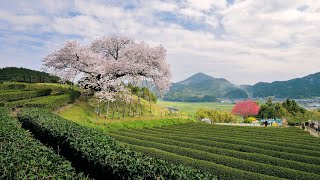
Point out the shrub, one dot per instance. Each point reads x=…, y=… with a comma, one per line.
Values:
x=54, y=102
x=12, y=86
x=249, y=120
x=15, y=96
x=98, y=153
x=215, y=115
x=23, y=157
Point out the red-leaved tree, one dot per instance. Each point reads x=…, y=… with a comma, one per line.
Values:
x=246, y=108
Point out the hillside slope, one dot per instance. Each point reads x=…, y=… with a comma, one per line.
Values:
x=201, y=87
x=305, y=87
x=25, y=75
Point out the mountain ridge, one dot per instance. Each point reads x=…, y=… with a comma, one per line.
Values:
x=200, y=86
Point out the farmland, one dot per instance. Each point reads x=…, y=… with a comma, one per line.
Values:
x=86, y=145
x=231, y=152
x=192, y=107
x=49, y=96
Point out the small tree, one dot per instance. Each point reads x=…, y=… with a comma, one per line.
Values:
x=246, y=108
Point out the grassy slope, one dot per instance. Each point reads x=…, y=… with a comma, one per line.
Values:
x=82, y=113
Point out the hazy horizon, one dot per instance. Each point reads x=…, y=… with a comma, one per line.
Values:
x=243, y=41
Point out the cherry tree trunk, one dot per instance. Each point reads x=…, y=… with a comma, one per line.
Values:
x=107, y=110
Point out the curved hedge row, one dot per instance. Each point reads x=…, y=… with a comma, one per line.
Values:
x=12, y=86
x=259, y=131
x=212, y=141
x=203, y=153
x=54, y=102
x=279, y=142
x=99, y=154
x=22, y=157
x=259, y=144
x=204, y=145
x=15, y=96
x=255, y=134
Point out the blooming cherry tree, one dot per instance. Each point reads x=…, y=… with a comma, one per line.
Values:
x=110, y=62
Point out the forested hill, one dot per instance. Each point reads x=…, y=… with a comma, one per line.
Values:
x=305, y=87
x=25, y=75
x=201, y=87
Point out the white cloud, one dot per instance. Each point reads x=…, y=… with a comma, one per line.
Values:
x=246, y=42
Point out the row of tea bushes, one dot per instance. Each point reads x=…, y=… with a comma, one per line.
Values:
x=9, y=86
x=219, y=148
x=208, y=146
x=54, y=102
x=20, y=95
x=99, y=154
x=22, y=157
x=202, y=153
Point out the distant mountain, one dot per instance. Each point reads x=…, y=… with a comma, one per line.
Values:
x=25, y=75
x=305, y=87
x=201, y=87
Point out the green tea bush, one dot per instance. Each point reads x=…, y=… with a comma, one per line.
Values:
x=207, y=146
x=98, y=153
x=203, y=153
x=15, y=96
x=216, y=142
x=54, y=102
x=12, y=86
x=22, y=157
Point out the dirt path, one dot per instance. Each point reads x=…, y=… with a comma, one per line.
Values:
x=65, y=107
x=313, y=132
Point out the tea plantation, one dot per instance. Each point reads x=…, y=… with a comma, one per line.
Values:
x=231, y=152
x=18, y=95
x=41, y=145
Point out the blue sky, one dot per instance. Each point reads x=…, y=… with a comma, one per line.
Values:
x=244, y=41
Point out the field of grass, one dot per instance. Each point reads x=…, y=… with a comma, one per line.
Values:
x=82, y=113
x=231, y=152
x=192, y=107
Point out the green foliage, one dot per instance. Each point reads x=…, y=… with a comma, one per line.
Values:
x=293, y=108
x=18, y=95
x=249, y=120
x=23, y=157
x=215, y=115
x=14, y=96
x=192, y=107
x=304, y=87
x=289, y=109
x=143, y=93
x=25, y=75
x=99, y=154
x=233, y=152
x=10, y=86
x=54, y=102
x=209, y=154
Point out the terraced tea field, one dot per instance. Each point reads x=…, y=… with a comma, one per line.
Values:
x=13, y=95
x=231, y=152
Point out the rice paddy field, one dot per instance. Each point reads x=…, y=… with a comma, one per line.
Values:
x=231, y=152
